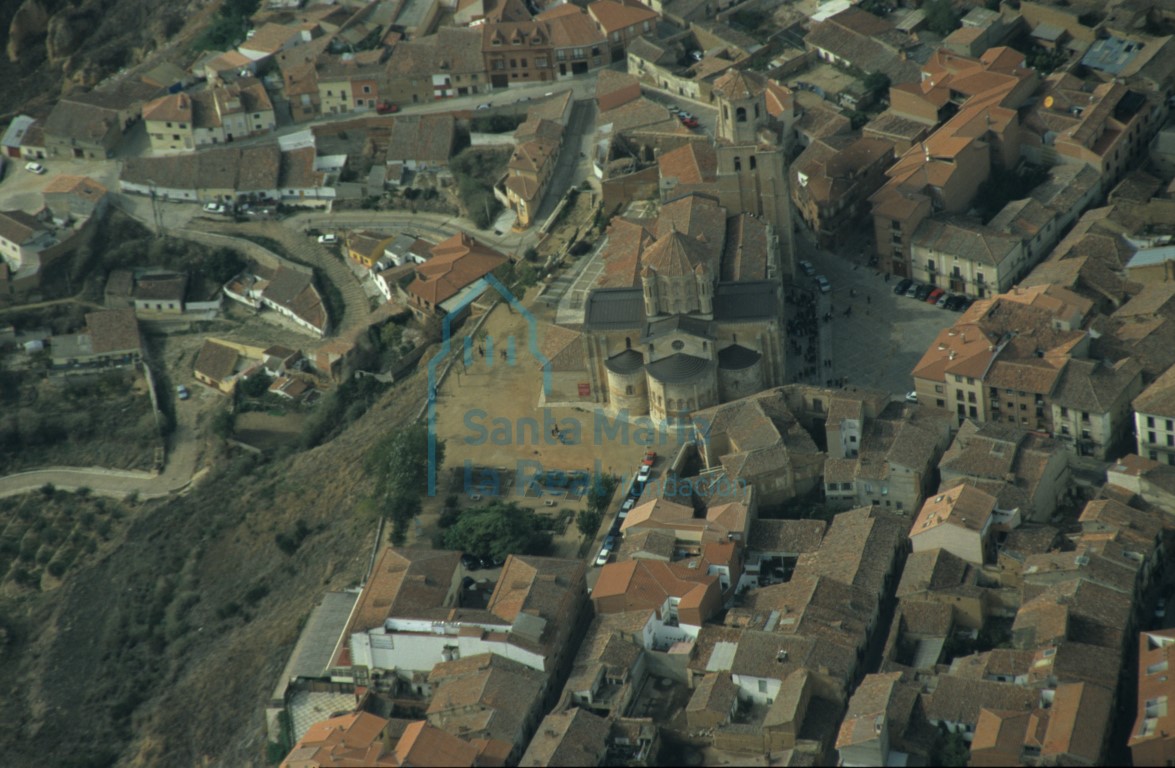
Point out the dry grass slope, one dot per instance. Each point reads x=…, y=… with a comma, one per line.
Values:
x=164, y=652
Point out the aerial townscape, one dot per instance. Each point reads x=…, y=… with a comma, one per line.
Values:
x=592, y=383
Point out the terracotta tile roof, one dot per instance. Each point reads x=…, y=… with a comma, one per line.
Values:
x=216, y=361
x=347, y=741
x=484, y=696
x=926, y=618
x=1000, y=731
x=18, y=227
x=982, y=245
x=570, y=26
x=544, y=587
x=963, y=506
x=175, y=108
x=424, y=138
x=738, y=85
x=405, y=583
x=114, y=331
x=870, y=704
x=429, y=747
x=563, y=348
x=715, y=692
x=858, y=549
x=958, y=700
x=270, y=38
x=648, y=584
x=613, y=16
x=934, y=570
x=1079, y=721
x=793, y=536
x=570, y=738
x=81, y=186
x=691, y=163
x=455, y=264
x=1159, y=398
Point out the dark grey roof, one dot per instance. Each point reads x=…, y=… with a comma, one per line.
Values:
x=614, y=308
x=679, y=367
x=626, y=362
x=736, y=357
x=286, y=284
x=692, y=326
x=747, y=300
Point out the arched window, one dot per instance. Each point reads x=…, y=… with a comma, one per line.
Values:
x=680, y=404
x=740, y=115
x=752, y=162
x=738, y=164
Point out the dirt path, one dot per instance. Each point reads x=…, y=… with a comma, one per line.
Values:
x=177, y=474
x=307, y=251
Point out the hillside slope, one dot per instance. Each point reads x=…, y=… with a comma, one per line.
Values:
x=165, y=651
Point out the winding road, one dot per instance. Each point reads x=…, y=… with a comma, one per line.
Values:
x=178, y=473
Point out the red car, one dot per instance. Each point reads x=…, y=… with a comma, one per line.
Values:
x=649, y=459
x=934, y=296
x=387, y=108
x=689, y=122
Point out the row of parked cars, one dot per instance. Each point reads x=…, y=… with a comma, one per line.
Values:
x=932, y=295
x=688, y=120
x=644, y=472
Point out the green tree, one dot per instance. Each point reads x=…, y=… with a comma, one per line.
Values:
x=498, y=530
x=950, y=750
x=940, y=16
x=599, y=493
x=877, y=84
x=588, y=521
x=398, y=464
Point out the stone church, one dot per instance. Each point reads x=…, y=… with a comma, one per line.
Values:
x=687, y=312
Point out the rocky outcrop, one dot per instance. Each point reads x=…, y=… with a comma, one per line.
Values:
x=67, y=31
x=28, y=27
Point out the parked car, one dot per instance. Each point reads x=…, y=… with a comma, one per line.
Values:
x=182, y=392
x=215, y=208
x=823, y=284
x=615, y=529
x=471, y=562
x=387, y=108
x=953, y=302
x=644, y=474
x=328, y=239
x=605, y=551
x=626, y=507
x=649, y=459
x=807, y=268
x=903, y=286
x=964, y=303
x=911, y=397
x=934, y=295
x=942, y=300
x=34, y=168
x=483, y=106
x=690, y=123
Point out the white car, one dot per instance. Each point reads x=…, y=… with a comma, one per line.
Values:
x=483, y=106
x=823, y=284
x=34, y=168
x=328, y=239
x=215, y=208
x=911, y=397
x=644, y=474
